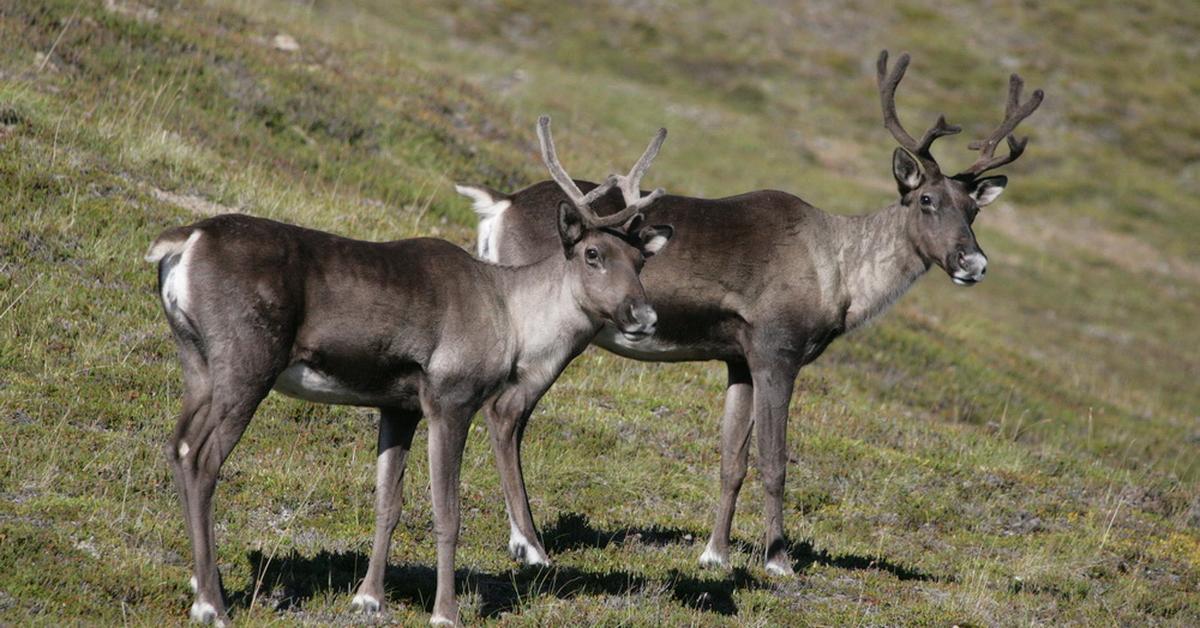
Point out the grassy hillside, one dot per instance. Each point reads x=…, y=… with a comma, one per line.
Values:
x=1021, y=452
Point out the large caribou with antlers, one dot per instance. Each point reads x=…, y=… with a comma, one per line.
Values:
x=418, y=328
x=764, y=282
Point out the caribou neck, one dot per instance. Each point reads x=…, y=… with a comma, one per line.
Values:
x=548, y=324
x=879, y=261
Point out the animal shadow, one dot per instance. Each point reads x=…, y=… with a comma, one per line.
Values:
x=572, y=531
x=288, y=582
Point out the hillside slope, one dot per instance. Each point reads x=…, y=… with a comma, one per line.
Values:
x=1021, y=452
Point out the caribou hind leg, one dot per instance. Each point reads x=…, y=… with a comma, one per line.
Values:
x=202, y=447
x=736, y=425
x=197, y=395
x=396, y=428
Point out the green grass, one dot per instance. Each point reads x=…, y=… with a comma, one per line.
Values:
x=1022, y=452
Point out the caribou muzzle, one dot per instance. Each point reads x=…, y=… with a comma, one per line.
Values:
x=968, y=267
x=636, y=320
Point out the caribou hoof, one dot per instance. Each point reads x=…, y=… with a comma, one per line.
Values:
x=780, y=567
x=363, y=603
x=711, y=559
x=521, y=550
x=205, y=613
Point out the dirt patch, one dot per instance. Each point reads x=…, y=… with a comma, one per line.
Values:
x=195, y=204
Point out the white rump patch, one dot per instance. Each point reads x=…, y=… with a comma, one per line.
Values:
x=490, y=211
x=176, y=288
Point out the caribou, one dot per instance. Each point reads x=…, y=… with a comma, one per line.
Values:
x=417, y=328
x=764, y=282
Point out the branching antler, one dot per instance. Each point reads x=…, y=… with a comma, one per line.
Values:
x=1014, y=113
x=628, y=184
x=887, y=97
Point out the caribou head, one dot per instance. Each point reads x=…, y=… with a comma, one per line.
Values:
x=606, y=253
x=943, y=208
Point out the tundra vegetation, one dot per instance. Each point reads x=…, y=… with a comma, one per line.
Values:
x=1021, y=452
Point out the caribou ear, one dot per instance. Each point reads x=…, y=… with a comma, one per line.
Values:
x=570, y=227
x=907, y=172
x=654, y=238
x=988, y=189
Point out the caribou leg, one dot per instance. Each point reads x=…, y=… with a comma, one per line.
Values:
x=736, y=425
x=396, y=428
x=507, y=417
x=447, y=437
x=772, y=393
x=207, y=442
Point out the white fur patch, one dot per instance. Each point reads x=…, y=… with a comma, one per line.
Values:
x=779, y=569
x=204, y=613
x=487, y=241
x=522, y=549
x=649, y=349
x=364, y=603
x=193, y=584
x=439, y=620
x=302, y=382
x=183, y=451
x=176, y=288
x=988, y=190
x=655, y=244
x=710, y=558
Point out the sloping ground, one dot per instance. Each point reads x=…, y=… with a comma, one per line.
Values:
x=1022, y=452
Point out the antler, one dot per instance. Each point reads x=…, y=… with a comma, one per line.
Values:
x=1014, y=113
x=887, y=97
x=628, y=184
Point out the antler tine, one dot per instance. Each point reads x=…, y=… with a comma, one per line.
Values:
x=583, y=201
x=630, y=183
x=549, y=156
x=1014, y=114
x=887, y=97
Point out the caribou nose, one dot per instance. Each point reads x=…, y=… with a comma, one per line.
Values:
x=645, y=316
x=971, y=267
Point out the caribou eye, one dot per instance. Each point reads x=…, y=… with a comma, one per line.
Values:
x=591, y=255
x=926, y=199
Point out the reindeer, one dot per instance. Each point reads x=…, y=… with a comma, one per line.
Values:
x=764, y=282
x=418, y=328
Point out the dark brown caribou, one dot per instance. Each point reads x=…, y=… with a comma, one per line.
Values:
x=764, y=282
x=418, y=328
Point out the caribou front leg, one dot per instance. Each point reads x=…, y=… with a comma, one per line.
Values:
x=396, y=428
x=507, y=417
x=736, y=426
x=772, y=393
x=447, y=438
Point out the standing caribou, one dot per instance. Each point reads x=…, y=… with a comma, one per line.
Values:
x=417, y=328
x=764, y=282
